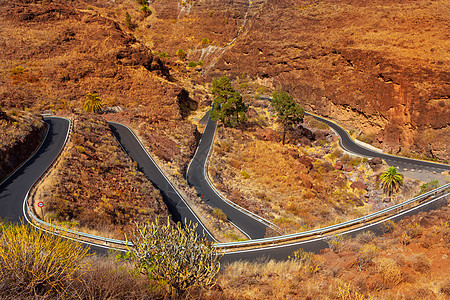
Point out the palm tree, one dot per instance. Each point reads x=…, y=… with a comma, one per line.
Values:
x=93, y=103
x=391, y=181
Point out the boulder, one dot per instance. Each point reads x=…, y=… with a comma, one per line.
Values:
x=348, y=169
x=359, y=185
x=266, y=134
x=375, y=163
x=338, y=165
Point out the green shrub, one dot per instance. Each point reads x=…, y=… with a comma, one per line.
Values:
x=245, y=174
x=192, y=64
x=429, y=186
x=205, y=41
x=163, y=54
x=181, y=54
x=128, y=22
x=219, y=214
x=146, y=10
x=142, y=2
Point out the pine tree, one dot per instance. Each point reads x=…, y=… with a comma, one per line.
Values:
x=289, y=112
x=228, y=106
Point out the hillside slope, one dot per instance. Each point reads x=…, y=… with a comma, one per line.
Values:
x=378, y=67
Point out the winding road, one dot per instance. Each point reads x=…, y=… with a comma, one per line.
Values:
x=396, y=161
x=175, y=203
x=195, y=175
x=15, y=188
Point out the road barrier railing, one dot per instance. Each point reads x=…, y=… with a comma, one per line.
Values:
x=443, y=192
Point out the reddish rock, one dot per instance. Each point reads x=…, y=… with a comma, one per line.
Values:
x=347, y=169
x=306, y=161
x=305, y=181
x=359, y=185
x=266, y=134
x=338, y=165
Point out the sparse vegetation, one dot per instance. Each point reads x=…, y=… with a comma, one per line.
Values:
x=181, y=54
x=34, y=263
x=429, y=186
x=391, y=181
x=365, y=268
x=146, y=10
x=128, y=22
x=95, y=185
x=20, y=134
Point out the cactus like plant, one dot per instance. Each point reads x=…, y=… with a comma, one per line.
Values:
x=174, y=255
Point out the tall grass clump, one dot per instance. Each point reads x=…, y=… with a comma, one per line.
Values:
x=34, y=263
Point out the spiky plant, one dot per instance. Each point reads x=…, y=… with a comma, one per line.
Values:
x=391, y=181
x=35, y=263
x=93, y=103
x=174, y=255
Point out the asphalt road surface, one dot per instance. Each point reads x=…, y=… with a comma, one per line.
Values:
x=14, y=189
x=175, y=203
x=196, y=177
x=401, y=162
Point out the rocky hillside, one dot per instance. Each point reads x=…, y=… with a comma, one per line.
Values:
x=378, y=67
x=53, y=53
x=20, y=135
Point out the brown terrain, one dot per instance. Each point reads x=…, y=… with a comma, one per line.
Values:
x=307, y=183
x=378, y=67
x=96, y=186
x=410, y=261
x=64, y=51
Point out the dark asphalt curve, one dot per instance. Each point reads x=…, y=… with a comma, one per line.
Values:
x=14, y=189
x=401, y=162
x=282, y=252
x=196, y=177
x=176, y=205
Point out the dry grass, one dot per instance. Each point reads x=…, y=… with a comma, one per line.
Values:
x=391, y=270
x=33, y=263
x=297, y=185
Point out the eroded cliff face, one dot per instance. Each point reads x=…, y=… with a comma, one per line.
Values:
x=381, y=68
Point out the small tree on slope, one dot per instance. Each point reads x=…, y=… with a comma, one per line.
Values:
x=228, y=106
x=288, y=111
x=391, y=181
x=93, y=103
